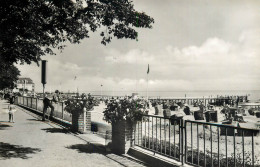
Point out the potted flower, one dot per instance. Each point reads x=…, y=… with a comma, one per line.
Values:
x=123, y=115
x=79, y=108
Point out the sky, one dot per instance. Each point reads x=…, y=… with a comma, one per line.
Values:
x=193, y=45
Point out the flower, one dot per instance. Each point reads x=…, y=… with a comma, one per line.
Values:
x=130, y=110
x=84, y=103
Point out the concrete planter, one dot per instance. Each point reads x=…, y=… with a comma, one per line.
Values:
x=122, y=134
x=81, y=121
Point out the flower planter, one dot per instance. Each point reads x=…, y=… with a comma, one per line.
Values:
x=81, y=121
x=121, y=137
x=123, y=115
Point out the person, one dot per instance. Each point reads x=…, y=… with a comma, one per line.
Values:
x=11, y=113
x=47, y=102
x=56, y=97
x=46, y=105
x=12, y=99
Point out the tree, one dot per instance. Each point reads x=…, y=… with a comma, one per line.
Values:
x=8, y=75
x=32, y=28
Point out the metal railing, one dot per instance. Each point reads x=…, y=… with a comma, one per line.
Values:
x=210, y=144
x=160, y=135
x=37, y=104
x=197, y=143
x=191, y=142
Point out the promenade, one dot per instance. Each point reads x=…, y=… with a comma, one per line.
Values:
x=29, y=142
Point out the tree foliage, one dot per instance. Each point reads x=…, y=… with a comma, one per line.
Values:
x=30, y=29
x=8, y=75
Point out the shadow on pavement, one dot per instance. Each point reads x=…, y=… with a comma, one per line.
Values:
x=55, y=130
x=34, y=120
x=88, y=148
x=8, y=151
x=4, y=126
x=100, y=149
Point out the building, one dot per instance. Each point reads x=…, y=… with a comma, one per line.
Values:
x=25, y=85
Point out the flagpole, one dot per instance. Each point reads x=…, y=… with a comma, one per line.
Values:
x=147, y=86
x=76, y=86
x=148, y=70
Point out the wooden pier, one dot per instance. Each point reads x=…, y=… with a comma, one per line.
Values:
x=203, y=100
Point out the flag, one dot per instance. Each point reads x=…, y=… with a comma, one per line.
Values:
x=148, y=69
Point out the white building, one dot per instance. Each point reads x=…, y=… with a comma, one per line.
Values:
x=24, y=85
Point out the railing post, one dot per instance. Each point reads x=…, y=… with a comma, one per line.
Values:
x=181, y=133
x=36, y=103
x=84, y=121
x=62, y=110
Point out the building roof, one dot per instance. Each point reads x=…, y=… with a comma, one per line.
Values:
x=28, y=80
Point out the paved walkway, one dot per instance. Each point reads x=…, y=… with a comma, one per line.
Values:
x=32, y=143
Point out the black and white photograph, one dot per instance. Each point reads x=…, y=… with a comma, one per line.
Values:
x=129, y=83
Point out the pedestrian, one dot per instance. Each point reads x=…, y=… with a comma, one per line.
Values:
x=47, y=102
x=11, y=113
x=12, y=99
x=46, y=105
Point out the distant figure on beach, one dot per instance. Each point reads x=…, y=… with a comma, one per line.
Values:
x=156, y=109
x=48, y=103
x=11, y=113
x=166, y=112
x=237, y=101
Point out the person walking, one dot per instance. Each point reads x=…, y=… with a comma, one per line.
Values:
x=11, y=113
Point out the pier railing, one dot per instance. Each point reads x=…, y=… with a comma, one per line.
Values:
x=198, y=143
x=156, y=134
x=191, y=142
x=37, y=104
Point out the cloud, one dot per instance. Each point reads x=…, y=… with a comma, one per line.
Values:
x=134, y=56
x=216, y=64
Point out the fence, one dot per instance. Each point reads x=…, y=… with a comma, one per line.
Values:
x=37, y=104
x=191, y=142
x=197, y=143
x=156, y=133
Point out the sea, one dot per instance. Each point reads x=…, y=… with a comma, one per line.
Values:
x=253, y=95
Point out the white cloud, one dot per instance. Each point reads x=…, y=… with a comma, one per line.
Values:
x=213, y=65
x=134, y=56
